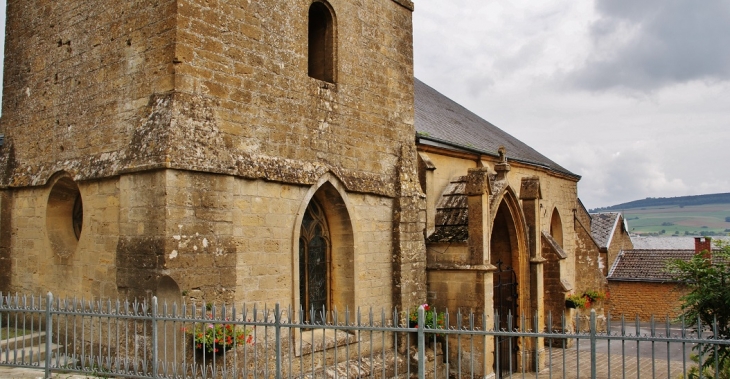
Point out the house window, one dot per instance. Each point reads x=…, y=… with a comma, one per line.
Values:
x=321, y=63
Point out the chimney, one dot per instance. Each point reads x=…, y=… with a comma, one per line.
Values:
x=703, y=244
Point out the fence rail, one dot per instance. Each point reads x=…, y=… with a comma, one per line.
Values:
x=143, y=339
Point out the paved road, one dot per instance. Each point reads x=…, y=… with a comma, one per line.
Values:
x=674, y=351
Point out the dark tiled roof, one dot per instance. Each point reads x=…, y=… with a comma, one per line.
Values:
x=645, y=265
x=452, y=221
x=442, y=122
x=602, y=227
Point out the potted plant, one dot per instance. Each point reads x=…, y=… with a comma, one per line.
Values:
x=575, y=301
x=592, y=296
x=429, y=316
x=584, y=300
x=218, y=337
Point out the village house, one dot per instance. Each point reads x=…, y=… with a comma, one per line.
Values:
x=269, y=152
x=642, y=287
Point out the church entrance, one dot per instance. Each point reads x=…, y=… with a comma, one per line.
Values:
x=314, y=264
x=505, y=256
x=505, y=307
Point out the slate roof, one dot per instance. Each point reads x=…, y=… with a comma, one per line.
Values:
x=442, y=122
x=603, y=225
x=668, y=243
x=452, y=221
x=645, y=265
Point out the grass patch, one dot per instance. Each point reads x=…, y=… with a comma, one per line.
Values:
x=6, y=333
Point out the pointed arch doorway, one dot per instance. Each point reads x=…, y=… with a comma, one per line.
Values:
x=508, y=254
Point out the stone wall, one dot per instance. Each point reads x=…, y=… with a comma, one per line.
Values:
x=645, y=299
x=97, y=89
x=621, y=240
x=90, y=269
x=590, y=262
x=196, y=139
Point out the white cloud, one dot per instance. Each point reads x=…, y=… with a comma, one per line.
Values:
x=517, y=65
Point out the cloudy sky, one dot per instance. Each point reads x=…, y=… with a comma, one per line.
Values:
x=632, y=95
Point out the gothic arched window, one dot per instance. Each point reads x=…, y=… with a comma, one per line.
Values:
x=314, y=263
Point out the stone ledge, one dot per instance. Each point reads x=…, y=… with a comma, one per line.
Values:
x=460, y=267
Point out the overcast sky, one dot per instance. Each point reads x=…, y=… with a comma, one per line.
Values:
x=632, y=95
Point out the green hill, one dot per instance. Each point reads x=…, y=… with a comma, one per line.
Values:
x=707, y=215
x=717, y=198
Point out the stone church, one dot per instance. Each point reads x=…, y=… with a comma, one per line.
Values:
x=267, y=152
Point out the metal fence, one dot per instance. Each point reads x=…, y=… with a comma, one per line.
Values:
x=145, y=339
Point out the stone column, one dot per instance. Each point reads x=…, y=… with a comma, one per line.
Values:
x=530, y=196
x=409, y=245
x=478, y=191
x=6, y=233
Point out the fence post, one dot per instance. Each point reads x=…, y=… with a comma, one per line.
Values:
x=49, y=334
x=421, y=343
x=593, y=344
x=154, y=336
x=277, y=323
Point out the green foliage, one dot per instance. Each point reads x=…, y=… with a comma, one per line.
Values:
x=708, y=300
x=586, y=299
x=577, y=301
x=707, y=372
x=428, y=316
x=215, y=337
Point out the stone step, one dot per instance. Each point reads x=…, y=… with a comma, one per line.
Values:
x=35, y=338
x=27, y=355
x=28, y=349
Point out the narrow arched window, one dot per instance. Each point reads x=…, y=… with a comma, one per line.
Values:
x=321, y=63
x=556, y=228
x=314, y=264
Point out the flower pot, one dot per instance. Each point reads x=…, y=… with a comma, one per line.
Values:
x=570, y=304
x=218, y=349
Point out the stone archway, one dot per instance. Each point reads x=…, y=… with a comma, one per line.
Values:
x=324, y=263
x=511, y=280
x=556, y=227
x=554, y=288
